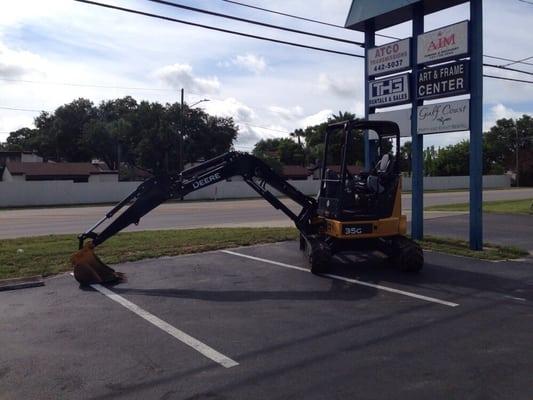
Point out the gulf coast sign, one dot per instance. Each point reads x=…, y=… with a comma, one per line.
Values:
x=444, y=117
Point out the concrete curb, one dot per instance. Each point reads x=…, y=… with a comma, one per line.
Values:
x=21, y=283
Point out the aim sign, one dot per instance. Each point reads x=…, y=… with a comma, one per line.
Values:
x=445, y=43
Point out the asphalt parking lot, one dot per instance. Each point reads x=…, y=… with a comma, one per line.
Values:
x=221, y=325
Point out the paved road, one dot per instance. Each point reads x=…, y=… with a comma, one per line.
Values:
x=30, y=222
x=294, y=335
x=511, y=230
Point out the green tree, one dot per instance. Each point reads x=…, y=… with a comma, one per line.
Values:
x=285, y=150
x=405, y=158
x=452, y=160
x=21, y=139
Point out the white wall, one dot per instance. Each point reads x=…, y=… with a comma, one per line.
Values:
x=25, y=157
x=17, y=194
x=103, y=178
x=6, y=176
x=458, y=182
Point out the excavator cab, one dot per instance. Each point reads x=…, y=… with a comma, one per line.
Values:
x=346, y=190
x=361, y=210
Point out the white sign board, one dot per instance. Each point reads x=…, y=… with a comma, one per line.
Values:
x=401, y=117
x=392, y=57
x=389, y=91
x=444, y=117
x=443, y=44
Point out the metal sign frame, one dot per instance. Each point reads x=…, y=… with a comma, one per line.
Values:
x=416, y=12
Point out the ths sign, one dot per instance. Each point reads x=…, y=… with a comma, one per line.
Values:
x=392, y=57
x=389, y=91
x=444, y=117
x=443, y=44
x=442, y=81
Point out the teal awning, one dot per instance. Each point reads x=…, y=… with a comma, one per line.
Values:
x=383, y=14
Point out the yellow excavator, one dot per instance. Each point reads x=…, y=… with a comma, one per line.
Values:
x=353, y=210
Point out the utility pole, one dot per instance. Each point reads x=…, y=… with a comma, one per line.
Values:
x=180, y=153
x=516, y=155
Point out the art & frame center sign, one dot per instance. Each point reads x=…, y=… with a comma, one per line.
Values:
x=442, y=81
x=391, y=57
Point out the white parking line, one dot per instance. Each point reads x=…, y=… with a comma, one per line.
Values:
x=342, y=278
x=166, y=327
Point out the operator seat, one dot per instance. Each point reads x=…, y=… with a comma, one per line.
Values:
x=380, y=174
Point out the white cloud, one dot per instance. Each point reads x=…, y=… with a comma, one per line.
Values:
x=230, y=107
x=15, y=64
x=344, y=87
x=181, y=76
x=250, y=62
x=288, y=114
x=317, y=118
x=500, y=111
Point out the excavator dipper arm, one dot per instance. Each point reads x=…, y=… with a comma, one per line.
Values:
x=156, y=190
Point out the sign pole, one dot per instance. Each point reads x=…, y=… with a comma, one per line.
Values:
x=476, y=133
x=370, y=147
x=417, y=141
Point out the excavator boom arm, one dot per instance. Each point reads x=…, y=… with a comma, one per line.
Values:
x=157, y=190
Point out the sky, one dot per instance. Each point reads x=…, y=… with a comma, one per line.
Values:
x=55, y=51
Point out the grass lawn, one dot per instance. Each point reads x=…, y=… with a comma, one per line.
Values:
x=461, y=248
x=505, y=206
x=48, y=255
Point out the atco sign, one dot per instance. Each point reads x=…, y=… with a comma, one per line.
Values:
x=392, y=57
x=444, y=80
x=443, y=44
x=444, y=117
x=389, y=91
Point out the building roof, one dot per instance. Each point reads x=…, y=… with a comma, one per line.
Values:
x=51, y=169
x=382, y=14
x=295, y=170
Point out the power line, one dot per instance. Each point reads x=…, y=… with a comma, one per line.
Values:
x=263, y=127
x=19, y=109
x=507, y=59
x=518, y=61
x=527, y=2
x=297, y=17
x=146, y=14
x=238, y=122
x=508, y=69
x=249, y=21
x=507, y=79
x=85, y=85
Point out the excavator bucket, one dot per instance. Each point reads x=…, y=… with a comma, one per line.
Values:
x=89, y=269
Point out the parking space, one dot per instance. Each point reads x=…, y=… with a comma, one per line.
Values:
x=461, y=329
